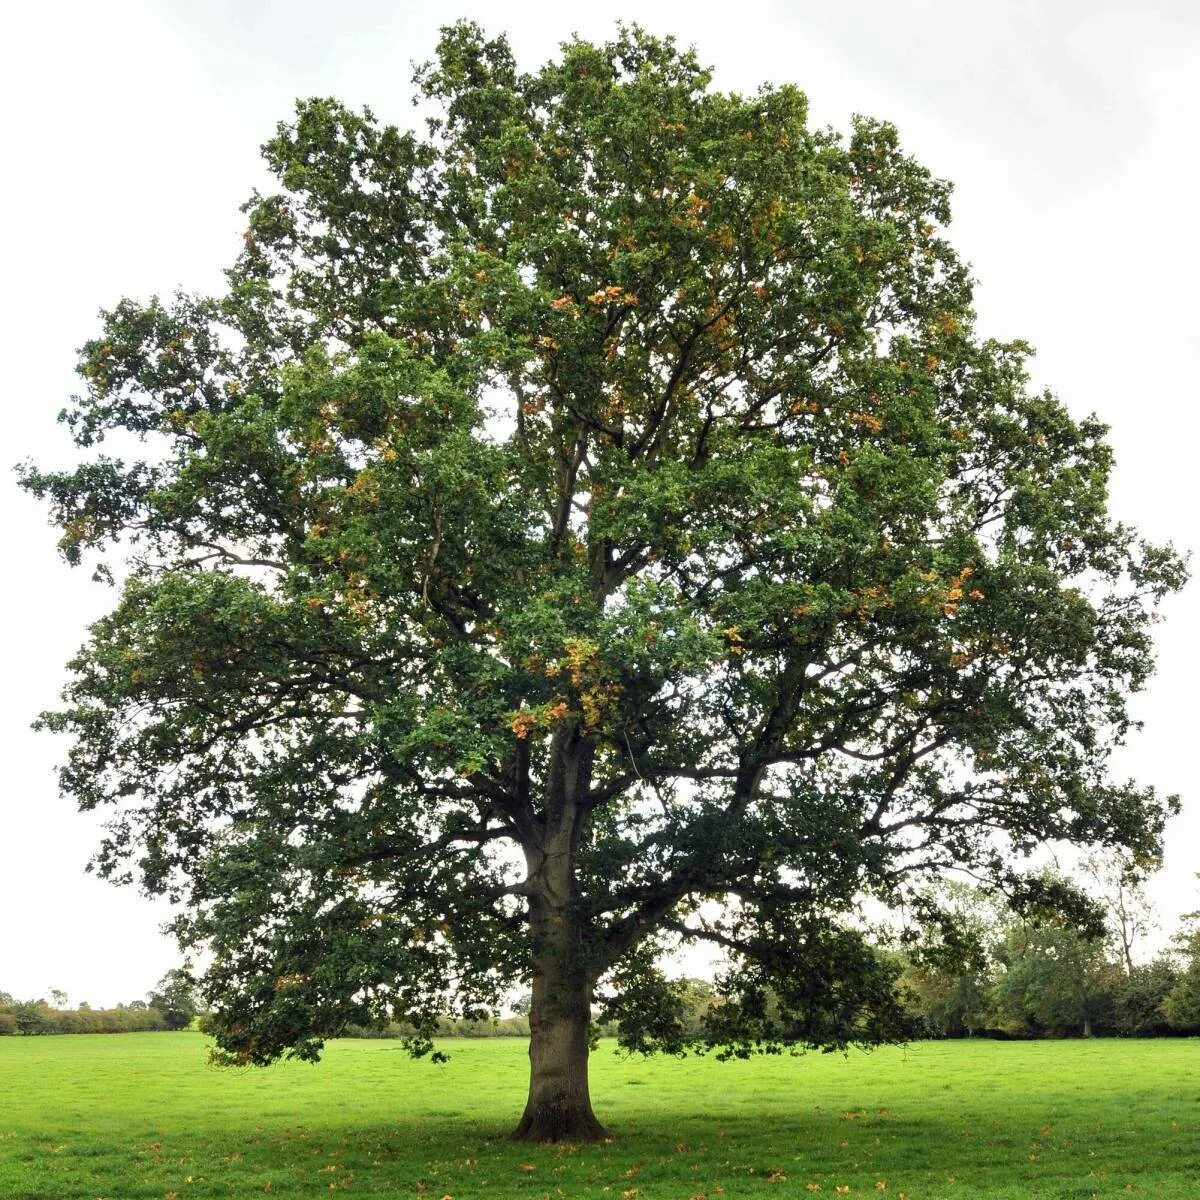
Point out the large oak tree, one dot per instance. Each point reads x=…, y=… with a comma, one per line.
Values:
x=586, y=526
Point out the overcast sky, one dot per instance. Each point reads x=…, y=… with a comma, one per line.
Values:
x=129, y=135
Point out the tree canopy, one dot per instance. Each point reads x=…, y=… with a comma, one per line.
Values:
x=587, y=525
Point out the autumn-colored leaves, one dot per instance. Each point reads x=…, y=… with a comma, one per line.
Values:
x=592, y=692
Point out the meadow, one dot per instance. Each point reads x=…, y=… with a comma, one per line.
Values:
x=143, y=1115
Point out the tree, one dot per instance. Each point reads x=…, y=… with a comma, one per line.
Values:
x=586, y=517
x=175, y=997
x=1141, y=998
x=1055, y=979
x=948, y=970
x=1181, y=1005
x=1118, y=885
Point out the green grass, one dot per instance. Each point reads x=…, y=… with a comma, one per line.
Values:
x=143, y=1115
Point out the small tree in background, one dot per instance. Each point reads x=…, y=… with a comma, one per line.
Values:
x=175, y=997
x=590, y=526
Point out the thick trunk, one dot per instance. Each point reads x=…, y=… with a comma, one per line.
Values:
x=559, y=1108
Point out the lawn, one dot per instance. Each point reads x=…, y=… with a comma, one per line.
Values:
x=143, y=1115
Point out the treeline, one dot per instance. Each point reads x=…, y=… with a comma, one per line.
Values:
x=1046, y=978
x=1025, y=979
x=31, y=1017
x=447, y=1027
x=171, y=1005
x=1049, y=981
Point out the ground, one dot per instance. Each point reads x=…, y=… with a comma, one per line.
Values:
x=142, y=1115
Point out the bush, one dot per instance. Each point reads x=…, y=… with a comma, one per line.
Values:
x=8, y=1024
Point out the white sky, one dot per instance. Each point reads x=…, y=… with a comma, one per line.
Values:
x=129, y=136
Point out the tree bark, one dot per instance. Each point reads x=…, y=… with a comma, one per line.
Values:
x=559, y=1108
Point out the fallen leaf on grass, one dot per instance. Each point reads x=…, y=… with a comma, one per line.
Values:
x=526, y=1166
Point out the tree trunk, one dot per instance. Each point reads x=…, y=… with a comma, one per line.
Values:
x=559, y=1108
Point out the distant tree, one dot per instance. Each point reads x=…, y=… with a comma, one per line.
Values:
x=59, y=998
x=1139, y=1007
x=1181, y=1005
x=33, y=1017
x=946, y=956
x=175, y=997
x=1117, y=881
x=1055, y=978
x=949, y=1001
x=589, y=525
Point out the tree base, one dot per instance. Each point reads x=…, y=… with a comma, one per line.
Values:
x=554, y=1124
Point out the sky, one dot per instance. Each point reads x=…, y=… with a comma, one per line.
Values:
x=129, y=135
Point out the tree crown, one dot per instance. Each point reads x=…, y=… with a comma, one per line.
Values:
x=610, y=475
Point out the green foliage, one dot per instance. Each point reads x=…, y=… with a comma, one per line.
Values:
x=1000, y=974
x=948, y=1003
x=175, y=997
x=1139, y=1004
x=1055, y=979
x=1181, y=1005
x=593, y=512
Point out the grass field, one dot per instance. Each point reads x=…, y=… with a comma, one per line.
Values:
x=143, y=1115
